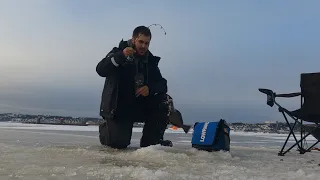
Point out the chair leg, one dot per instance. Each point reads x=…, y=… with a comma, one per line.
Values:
x=314, y=129
x=301, y=133
x=301, y=150
x=309, y=149
x=285, y=143
x=281, y=153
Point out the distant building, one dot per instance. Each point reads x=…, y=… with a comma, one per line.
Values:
x=270, y=122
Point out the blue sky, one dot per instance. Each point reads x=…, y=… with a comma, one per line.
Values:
x=215, y=56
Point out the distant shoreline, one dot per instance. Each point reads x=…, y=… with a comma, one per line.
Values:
x=266, y=127
x=69, y=124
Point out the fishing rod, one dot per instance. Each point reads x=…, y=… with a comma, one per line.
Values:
x=161, y=27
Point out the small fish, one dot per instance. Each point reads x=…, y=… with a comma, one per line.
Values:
x=175, y=117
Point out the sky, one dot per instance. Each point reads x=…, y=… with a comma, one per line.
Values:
x=215, y=55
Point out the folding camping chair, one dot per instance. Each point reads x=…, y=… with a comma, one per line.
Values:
x=308, y=112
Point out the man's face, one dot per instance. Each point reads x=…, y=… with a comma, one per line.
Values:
x=142, y=43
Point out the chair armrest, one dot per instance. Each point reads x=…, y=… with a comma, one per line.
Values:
x=289, y=95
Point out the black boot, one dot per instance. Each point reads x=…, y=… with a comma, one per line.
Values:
x=166, y=143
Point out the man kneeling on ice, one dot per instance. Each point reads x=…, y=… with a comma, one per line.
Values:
x=133, y=92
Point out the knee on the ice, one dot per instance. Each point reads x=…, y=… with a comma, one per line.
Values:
x=118, y=145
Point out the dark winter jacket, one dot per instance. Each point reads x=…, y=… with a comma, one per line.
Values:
x=110, y=68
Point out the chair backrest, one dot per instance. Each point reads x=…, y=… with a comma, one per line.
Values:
x=310, y=89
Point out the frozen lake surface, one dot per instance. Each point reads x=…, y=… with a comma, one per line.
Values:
x=32, y=152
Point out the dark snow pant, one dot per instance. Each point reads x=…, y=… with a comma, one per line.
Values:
x=117, y=132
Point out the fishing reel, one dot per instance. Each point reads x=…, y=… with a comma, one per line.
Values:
x=138, y=81
x=130, y=59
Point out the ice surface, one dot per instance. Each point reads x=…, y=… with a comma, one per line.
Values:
x=94, y=128
x=35, y=153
